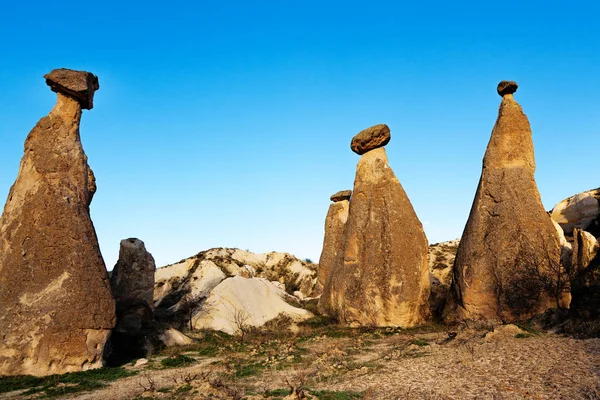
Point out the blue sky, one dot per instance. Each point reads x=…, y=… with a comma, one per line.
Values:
x=228, y=123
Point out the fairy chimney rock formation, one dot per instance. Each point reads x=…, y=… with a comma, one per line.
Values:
x=333, y=242
x=508, y=262
x=57, y=307
x=382, y=279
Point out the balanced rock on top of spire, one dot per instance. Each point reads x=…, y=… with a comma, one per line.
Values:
x=508, y=262
x=57, y=319
x=370, y=138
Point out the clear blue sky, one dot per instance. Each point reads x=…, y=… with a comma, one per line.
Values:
x=228, y=123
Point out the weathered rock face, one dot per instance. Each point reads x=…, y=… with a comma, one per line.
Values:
x=508, y=262
x=57, y=307
x=371, y=138
x=133, y=276
x=579, y=211
x=333, y=242
x=585, y=248
x=132, y=283
x=383, y=277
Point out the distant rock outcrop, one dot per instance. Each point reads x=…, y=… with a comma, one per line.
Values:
x=57, y=307
x=579, y=211
x=441, y=263
x=132, y=283
x=383, y=277
x=182, y=289
x=508, y=261
x=333, y=241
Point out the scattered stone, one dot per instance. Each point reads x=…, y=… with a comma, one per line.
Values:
x=383, y=277
x=333, y=242
x=507, y=87
x=509, y=253
x=80, y=85
x=141, y=362
x=371, y=138
x=503, y=332
x=57, y=307
x=341, y=196
x=172, y=337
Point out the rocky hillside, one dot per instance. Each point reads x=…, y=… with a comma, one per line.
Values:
x=226, y=289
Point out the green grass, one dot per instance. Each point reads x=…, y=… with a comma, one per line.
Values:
x=420, y=342
x=58, y=385
x=523, y=335
x=330, y=395
x=277, y=393
x=177, y=361
x=248, y=370
x=208, y=351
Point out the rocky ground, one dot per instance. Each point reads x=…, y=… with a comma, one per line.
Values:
x=323, y=361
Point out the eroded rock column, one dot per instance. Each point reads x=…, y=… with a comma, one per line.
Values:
x=57, y=307
x=383, y=277
x=333, y=241
x=508, y=262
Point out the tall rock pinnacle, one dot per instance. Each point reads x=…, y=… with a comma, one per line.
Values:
x=57, y=307
x=382, y=279
x=508, y=261
x=333, y=242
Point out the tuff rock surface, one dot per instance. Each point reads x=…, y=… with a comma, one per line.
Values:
x=333, y=241
x=508, y=261
x=383, y=277
x=239, y=303
x=371, y=138
x=57, y=307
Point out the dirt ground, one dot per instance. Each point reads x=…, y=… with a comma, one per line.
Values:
x=343, y=364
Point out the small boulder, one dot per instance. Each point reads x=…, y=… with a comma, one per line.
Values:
x=341, y=196
x=80, y=85
x=503, y=332
x=371, y=138
x=507, y=87
x=172, y=337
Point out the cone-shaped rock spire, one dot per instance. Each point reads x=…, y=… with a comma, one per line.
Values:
x=57, y=308
x=508, y=262
x=382, y=279
x=333, y=242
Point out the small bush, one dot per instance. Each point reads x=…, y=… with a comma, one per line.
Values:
x=177, y=361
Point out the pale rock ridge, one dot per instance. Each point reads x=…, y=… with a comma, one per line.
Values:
x=579, y=211
x=198, y=276
x=508, y=261
x=382, y=279
x=238, y=303
x=57, y=307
